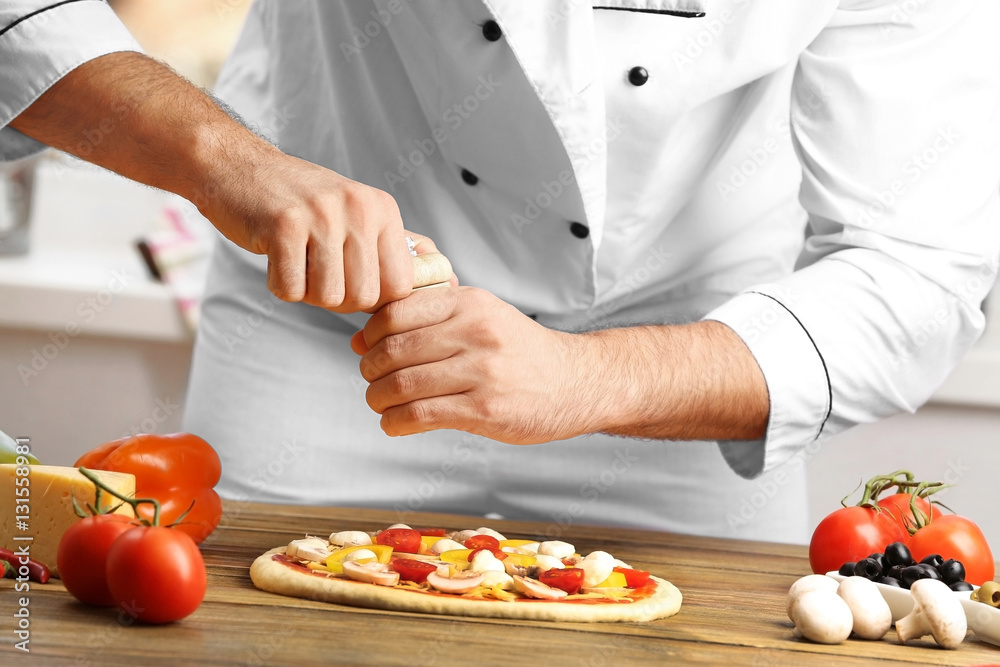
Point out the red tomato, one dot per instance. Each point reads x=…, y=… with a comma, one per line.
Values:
x=176, y=469
x=568, y=579
x=633, y=578
x=412, y=570
x=156, y=574
x=500, y=555
x=83, y=556
x=899, y=505
x=850, y=534
x=432, y=532
x=403, y=540
x=478, y=541
x=956, y=537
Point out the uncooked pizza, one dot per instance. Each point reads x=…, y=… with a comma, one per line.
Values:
x=464, y=573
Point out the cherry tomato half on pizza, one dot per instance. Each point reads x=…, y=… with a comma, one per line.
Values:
x=403, y=540
x=412, y=570
x=479, y=541
x=569, y=579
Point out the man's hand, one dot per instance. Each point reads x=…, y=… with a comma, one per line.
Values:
x=459, y=358
x=330, y=241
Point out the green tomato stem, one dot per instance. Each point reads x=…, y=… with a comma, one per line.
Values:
x=134, y=502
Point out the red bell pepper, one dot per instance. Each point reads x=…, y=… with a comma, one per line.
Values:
x=180, y=470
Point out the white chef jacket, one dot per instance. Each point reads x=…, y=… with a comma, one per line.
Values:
x=686, y=183
x=622, y=161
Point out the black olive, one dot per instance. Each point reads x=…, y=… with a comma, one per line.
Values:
x=896, y=571
x=881, y=560
x=961, y=586
x=951, y=571
x=897, y=553
x=890, y=581
x=911, y=574
x=846, y=570
x=933, y=560
x=931, y=571
x=868, y=568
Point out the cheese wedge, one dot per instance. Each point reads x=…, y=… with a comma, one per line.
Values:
x=51, y=490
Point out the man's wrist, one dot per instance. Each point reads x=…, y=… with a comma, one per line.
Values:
x=686, y=382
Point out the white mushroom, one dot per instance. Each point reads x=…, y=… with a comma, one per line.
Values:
x=489, y=531
x=822, y=616
x=485, y=561
x=444, y=544
x=311, y=548
x=807, y=583
x=398, y=525
x=872, y=616
x=621, y=563
x=351, y=538
x=530, y=548
x=937, y=612
x=359, y=554
x=536, y=589
x=372, y=573
x=501, y=579
x=462, y=582
x=462, y=535
x=556, y=548
x=597, y=566
x=543, y=563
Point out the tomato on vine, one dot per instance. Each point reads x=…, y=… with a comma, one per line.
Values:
x=850, y=534
x=956, y=537
x=83, y=554
x=155, y=574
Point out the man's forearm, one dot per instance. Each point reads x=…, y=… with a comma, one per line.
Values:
x=134, y=116
x=687, y=382
x=330, y=241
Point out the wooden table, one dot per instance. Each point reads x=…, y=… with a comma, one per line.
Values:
x=733, y=611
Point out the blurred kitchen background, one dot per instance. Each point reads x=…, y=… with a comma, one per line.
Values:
x=93, y=348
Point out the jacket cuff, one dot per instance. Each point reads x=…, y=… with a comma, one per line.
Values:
x=798, y=384
x=39, y=50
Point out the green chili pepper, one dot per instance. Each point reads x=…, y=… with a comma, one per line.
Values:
x=10, y=450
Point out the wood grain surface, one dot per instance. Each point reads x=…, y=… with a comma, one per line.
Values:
x=733, y=611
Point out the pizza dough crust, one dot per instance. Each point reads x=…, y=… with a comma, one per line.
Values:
x=276, y=577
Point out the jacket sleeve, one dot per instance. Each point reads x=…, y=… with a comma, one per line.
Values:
x=896, y=121
x=40, y=42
